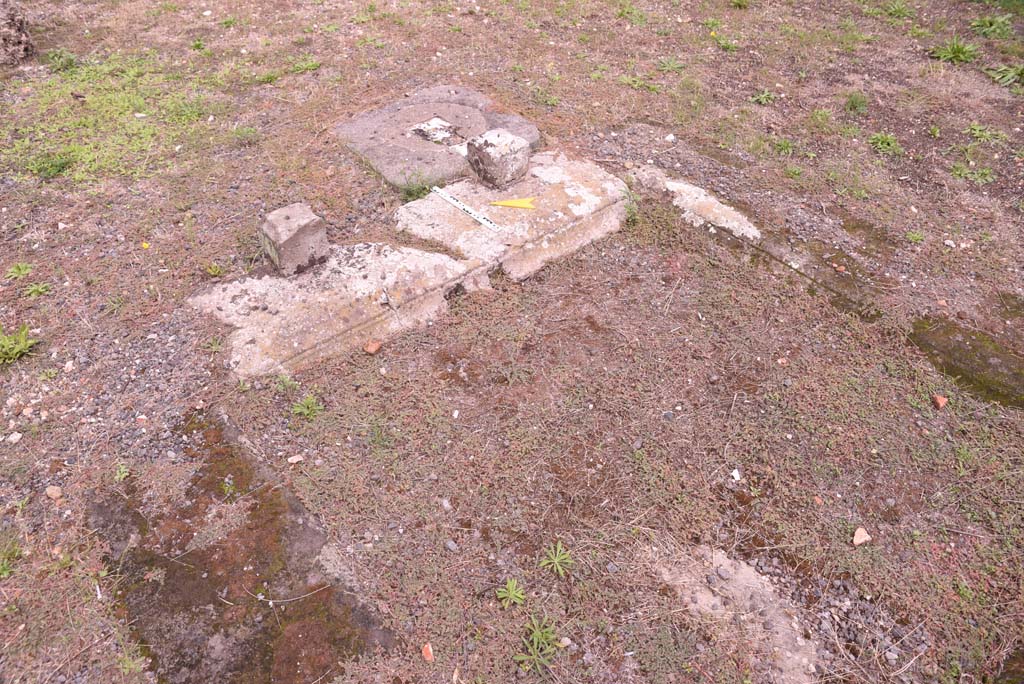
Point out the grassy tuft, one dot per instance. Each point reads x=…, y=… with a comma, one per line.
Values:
x=15, y=345
x=955, y=51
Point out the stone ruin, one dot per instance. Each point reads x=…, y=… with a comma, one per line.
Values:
x=15, y=42
x=329, y=299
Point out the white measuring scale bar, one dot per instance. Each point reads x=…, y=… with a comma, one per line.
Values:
x=468, y=210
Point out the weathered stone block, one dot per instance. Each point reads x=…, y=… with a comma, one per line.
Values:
x=294, y=238
x=498, y=157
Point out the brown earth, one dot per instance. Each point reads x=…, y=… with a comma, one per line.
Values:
x=605, y=403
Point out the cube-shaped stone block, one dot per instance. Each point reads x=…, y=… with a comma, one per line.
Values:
x=498, y=157
x=294, y=238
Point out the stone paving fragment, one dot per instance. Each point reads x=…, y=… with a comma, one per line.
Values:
x=421, y=139
x=577, y=202
x=363, y=292
x=699, y=207
x=294, y=238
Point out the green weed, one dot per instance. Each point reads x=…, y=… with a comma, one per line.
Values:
x=557, y=559
x=214, y=270
x=885, y=143
x=765, y=97
x=309, y=407
x=898, y=9
x=122, y=472
x=979, y=176
x=542, y=97
x=637, y=83
x=61, y=60
x=510, y=594
x=955, y=51
x=305, y=65
x=724, y=43
x=34, y=290
x=228, y=487
x=914, y=237
x=1007, y=76
x=539, y=645
x=10, y=551
x=783, y=147
x=856, y=104
x=631, y=13
x=993, y=26
x=246, y=136
x=268, y=77
x=984, y=134
x=285, y=384
x=670, y=65
x=414, y=190
x=367, y=15
x=18, y=271
x=114, y=304
x=820, y=120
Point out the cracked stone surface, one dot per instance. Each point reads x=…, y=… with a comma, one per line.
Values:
x=422, y=138
x=362, y=292
x=576, y=202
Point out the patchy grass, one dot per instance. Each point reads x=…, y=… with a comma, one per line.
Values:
x=119, y=116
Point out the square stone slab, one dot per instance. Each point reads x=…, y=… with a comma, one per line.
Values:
x=422, y=138
x=576, y=203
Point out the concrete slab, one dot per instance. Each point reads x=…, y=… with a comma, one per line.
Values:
x=577, y=202
x=363, y=292
x=422, y=138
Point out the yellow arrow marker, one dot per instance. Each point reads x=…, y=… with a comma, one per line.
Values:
x=523, y=203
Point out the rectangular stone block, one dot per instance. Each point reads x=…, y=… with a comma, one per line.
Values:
x=498, y=157
x=294, y=238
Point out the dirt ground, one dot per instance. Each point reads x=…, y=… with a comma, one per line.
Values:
x=663, y=391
